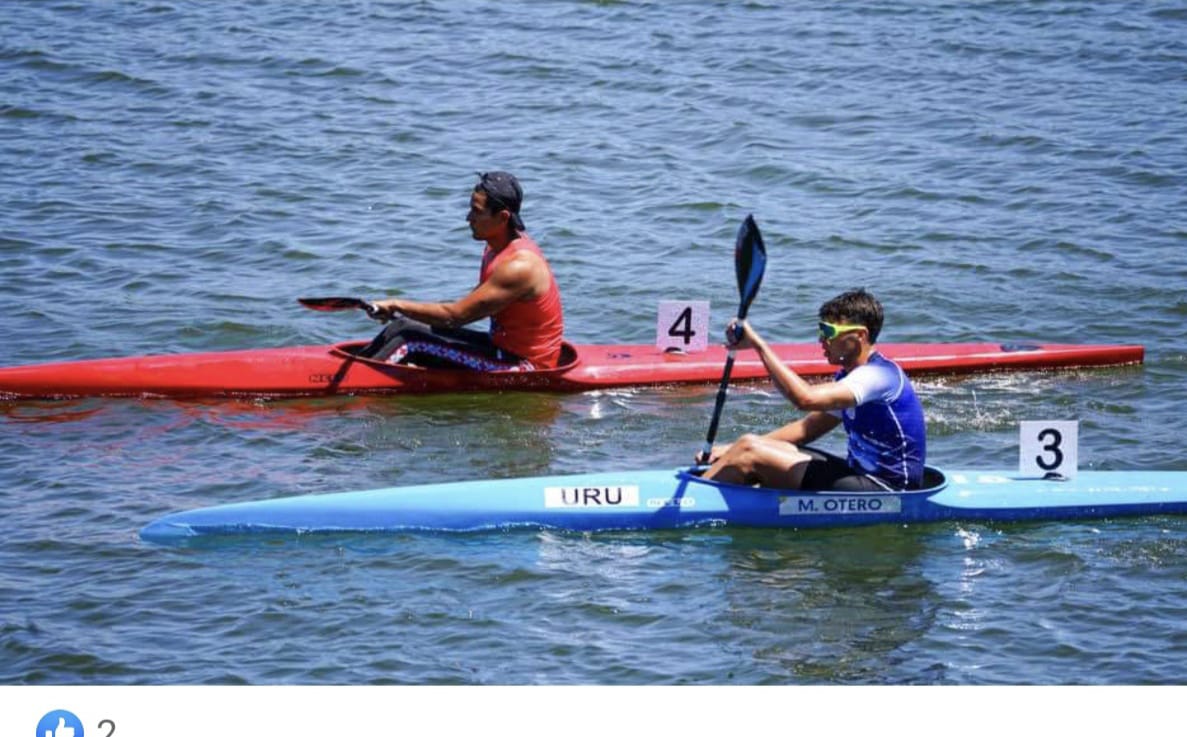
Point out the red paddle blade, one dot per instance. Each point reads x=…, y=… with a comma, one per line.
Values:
x=333, y=304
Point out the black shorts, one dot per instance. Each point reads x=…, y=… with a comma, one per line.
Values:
x=827, y=472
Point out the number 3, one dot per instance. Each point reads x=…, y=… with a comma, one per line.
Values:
x=1049, y=448
x=1052, y=447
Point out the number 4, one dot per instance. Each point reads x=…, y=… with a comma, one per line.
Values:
x=682, y=326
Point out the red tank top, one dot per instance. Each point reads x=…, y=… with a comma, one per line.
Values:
x=533, y=328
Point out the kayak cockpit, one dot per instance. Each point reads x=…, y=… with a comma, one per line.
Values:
x=350, y=350
x=934, y=480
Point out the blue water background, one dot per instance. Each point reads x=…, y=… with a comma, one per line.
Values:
x=176, y=173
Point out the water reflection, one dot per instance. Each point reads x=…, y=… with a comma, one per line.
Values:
x=821, y=607
x=538, y=407
x=34, y=411
x=831, y=606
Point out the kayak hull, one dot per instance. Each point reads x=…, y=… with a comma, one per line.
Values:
x=673, y=499
x=335, y=369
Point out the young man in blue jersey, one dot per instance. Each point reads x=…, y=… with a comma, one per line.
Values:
x=871, y=396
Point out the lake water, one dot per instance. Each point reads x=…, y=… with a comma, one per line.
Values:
x=177, y=173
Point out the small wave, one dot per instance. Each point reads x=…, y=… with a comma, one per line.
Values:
x=16, y=112
x=1169, y=14
x=117, y=77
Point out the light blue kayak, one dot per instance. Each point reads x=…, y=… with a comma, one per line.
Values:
x=667, y=499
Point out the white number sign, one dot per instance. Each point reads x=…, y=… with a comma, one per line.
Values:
x=1049, y=448
x=682, y=326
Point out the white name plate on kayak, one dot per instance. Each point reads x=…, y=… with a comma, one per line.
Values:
x=682, y=326
x=591, y=496
x=1049, y=448
x=840, y=504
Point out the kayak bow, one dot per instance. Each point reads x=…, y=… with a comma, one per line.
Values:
x=652, y=500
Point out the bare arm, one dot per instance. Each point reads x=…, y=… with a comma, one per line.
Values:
x=805, y=396
x=516, y=279
x=816, y=399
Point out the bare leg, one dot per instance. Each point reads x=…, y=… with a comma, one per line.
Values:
x=757, y=460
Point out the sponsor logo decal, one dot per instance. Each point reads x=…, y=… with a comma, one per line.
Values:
x=591, y=496
x=659, y=502
x=847, y=504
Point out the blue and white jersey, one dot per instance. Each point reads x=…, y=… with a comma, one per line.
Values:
x=887, y=432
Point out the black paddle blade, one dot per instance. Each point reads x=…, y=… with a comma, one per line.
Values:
x=750, y=262
x=333, y=304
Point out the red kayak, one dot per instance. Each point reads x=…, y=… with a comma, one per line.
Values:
x=335, y=369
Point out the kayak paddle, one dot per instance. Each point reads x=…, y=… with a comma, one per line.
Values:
x=336, y=304
x=750, y=261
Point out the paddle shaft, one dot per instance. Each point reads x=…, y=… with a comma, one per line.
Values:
x=750, y=258
x=722, y=390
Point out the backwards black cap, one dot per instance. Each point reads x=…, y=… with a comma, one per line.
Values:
x=502, y=193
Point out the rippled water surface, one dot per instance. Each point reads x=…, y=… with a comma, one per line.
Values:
x=176, y=173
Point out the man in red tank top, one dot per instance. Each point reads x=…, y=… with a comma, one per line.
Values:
x=516, y=290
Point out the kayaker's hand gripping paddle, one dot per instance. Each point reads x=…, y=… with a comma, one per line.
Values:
x=750, y=261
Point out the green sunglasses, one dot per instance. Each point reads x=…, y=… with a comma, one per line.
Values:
x=829, y=331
